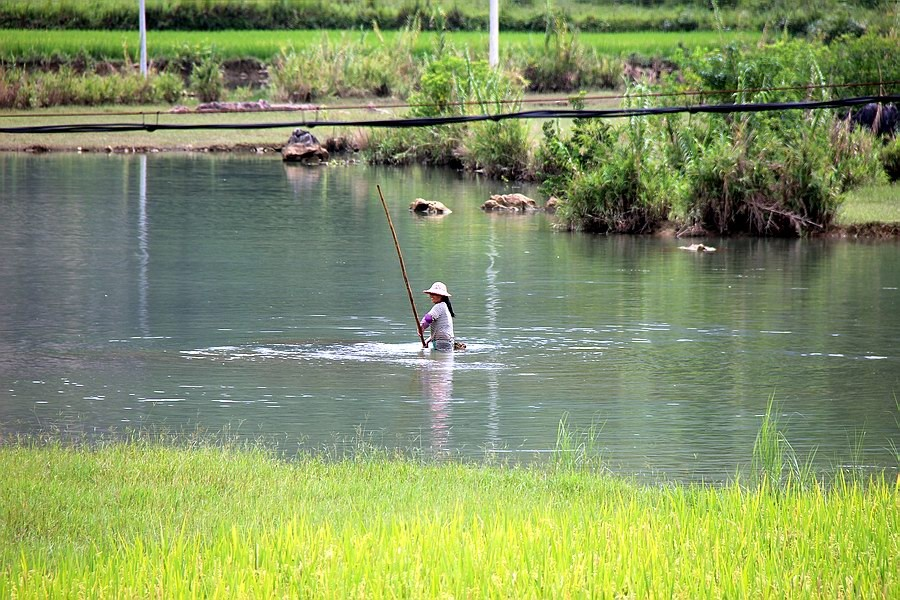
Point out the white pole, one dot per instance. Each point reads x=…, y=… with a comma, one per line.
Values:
x=143, y=22
x=494, y=45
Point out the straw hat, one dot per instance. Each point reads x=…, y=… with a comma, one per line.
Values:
x=437, y=288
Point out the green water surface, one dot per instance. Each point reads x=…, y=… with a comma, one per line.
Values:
x=238, y=292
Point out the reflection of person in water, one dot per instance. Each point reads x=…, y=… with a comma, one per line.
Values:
x=437, y=384
x=439, y=318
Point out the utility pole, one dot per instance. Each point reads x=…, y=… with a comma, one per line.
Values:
x=143, y=25
x=494, y=45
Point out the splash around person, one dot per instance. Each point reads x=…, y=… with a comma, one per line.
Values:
x=439, y=318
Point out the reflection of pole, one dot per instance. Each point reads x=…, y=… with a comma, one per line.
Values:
x=412, y=302
x=491, y=309
x=143, y=27
x=143, y=248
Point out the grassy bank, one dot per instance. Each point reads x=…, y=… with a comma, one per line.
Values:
x=141, y=519
x=780, y=173
x=171, y=140
x=870, y=204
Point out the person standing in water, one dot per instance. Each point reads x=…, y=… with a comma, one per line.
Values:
x=439, y=318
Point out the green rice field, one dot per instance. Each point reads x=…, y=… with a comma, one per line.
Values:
x=144, y=518
x=264, y=45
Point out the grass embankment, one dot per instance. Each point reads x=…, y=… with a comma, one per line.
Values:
x=705, y=172
x=141, y=519
x=269, y=139
x=870, y=204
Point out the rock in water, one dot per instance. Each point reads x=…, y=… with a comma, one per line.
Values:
x=429, y=207
x=510, y=202
x=697, y=248
x=303, y=147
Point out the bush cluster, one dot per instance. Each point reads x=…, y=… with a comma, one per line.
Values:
x=22, y=90
x=778, y=173
x=458, y=86
x=890, y=159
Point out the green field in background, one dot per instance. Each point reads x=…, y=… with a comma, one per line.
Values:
x=263, y=45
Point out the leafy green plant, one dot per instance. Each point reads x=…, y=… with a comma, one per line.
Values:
x=15, y=91
x=454, y=86
x=168, y=86
x=499, y=149
x=613, y=198
x=856, y=159
x=576, y=449
x=560, y=158
x=207, y=80
x=563, y=63
x=775, y=463
x=890, y=159
x=288, y=80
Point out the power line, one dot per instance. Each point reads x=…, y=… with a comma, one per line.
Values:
x=450, y=120
x=275, y=108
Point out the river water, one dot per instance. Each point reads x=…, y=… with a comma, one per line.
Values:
x=240, y=294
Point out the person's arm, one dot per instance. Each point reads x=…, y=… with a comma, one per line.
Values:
x=427, y=320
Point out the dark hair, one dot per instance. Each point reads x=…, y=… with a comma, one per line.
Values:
x=446, y=301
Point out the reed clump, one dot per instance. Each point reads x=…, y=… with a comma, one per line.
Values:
x=767, y=173
x=457, y=86
x=154, y=516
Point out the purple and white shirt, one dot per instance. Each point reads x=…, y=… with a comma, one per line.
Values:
x=440, y=321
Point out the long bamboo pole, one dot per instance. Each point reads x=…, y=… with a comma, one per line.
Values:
x=412, y=302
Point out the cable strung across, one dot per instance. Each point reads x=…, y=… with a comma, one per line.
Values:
x=606, y=113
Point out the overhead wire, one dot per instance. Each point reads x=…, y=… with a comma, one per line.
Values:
x=209, y=108
x=407, y=122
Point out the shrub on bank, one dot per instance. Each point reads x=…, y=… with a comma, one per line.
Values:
x=564, y=64
x=458, y=86
x=890, y=159
x=725, y=178
x=498, y=149
x=22, y=90
x=766, y=173
x=207, y=80
x=347, y=68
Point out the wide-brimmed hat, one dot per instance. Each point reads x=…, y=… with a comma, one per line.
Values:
x=437, y=288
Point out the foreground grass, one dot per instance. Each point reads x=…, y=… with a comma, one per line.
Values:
x=871, y=204
x=140, y=519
